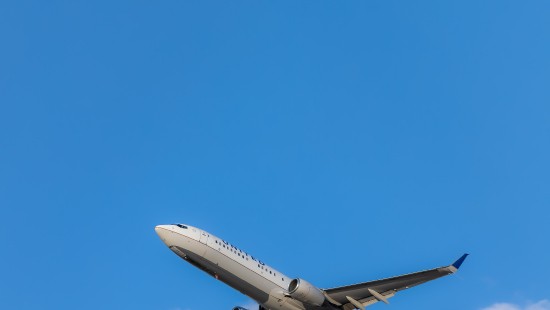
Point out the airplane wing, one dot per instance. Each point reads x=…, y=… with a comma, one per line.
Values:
x=357, y=296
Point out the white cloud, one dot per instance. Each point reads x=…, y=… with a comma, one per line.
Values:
x=541, y=305
x=502, y=306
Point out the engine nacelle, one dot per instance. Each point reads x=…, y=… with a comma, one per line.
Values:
x=304, y=291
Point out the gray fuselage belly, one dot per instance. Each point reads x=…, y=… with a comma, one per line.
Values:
x=238, y=272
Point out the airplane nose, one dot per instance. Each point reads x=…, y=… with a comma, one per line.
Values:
x=162, y=231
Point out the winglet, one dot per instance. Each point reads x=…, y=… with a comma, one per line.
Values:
x=460, y=261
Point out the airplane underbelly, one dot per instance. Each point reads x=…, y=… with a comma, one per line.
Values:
x=233, y=274
x=225, y=269
x=236, y=275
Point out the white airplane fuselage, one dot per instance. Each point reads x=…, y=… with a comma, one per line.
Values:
x=232, y=266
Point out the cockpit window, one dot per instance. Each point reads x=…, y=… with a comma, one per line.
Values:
x=181, y=226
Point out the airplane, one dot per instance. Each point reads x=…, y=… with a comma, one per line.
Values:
x=273, y=290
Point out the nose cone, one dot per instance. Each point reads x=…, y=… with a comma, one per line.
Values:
x=163, y=231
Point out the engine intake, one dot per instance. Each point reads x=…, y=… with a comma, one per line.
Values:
x=304, y=291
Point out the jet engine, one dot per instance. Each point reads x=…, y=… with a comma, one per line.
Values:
x=304, y=291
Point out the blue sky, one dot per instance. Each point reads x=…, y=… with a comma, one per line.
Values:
x=339, y=142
